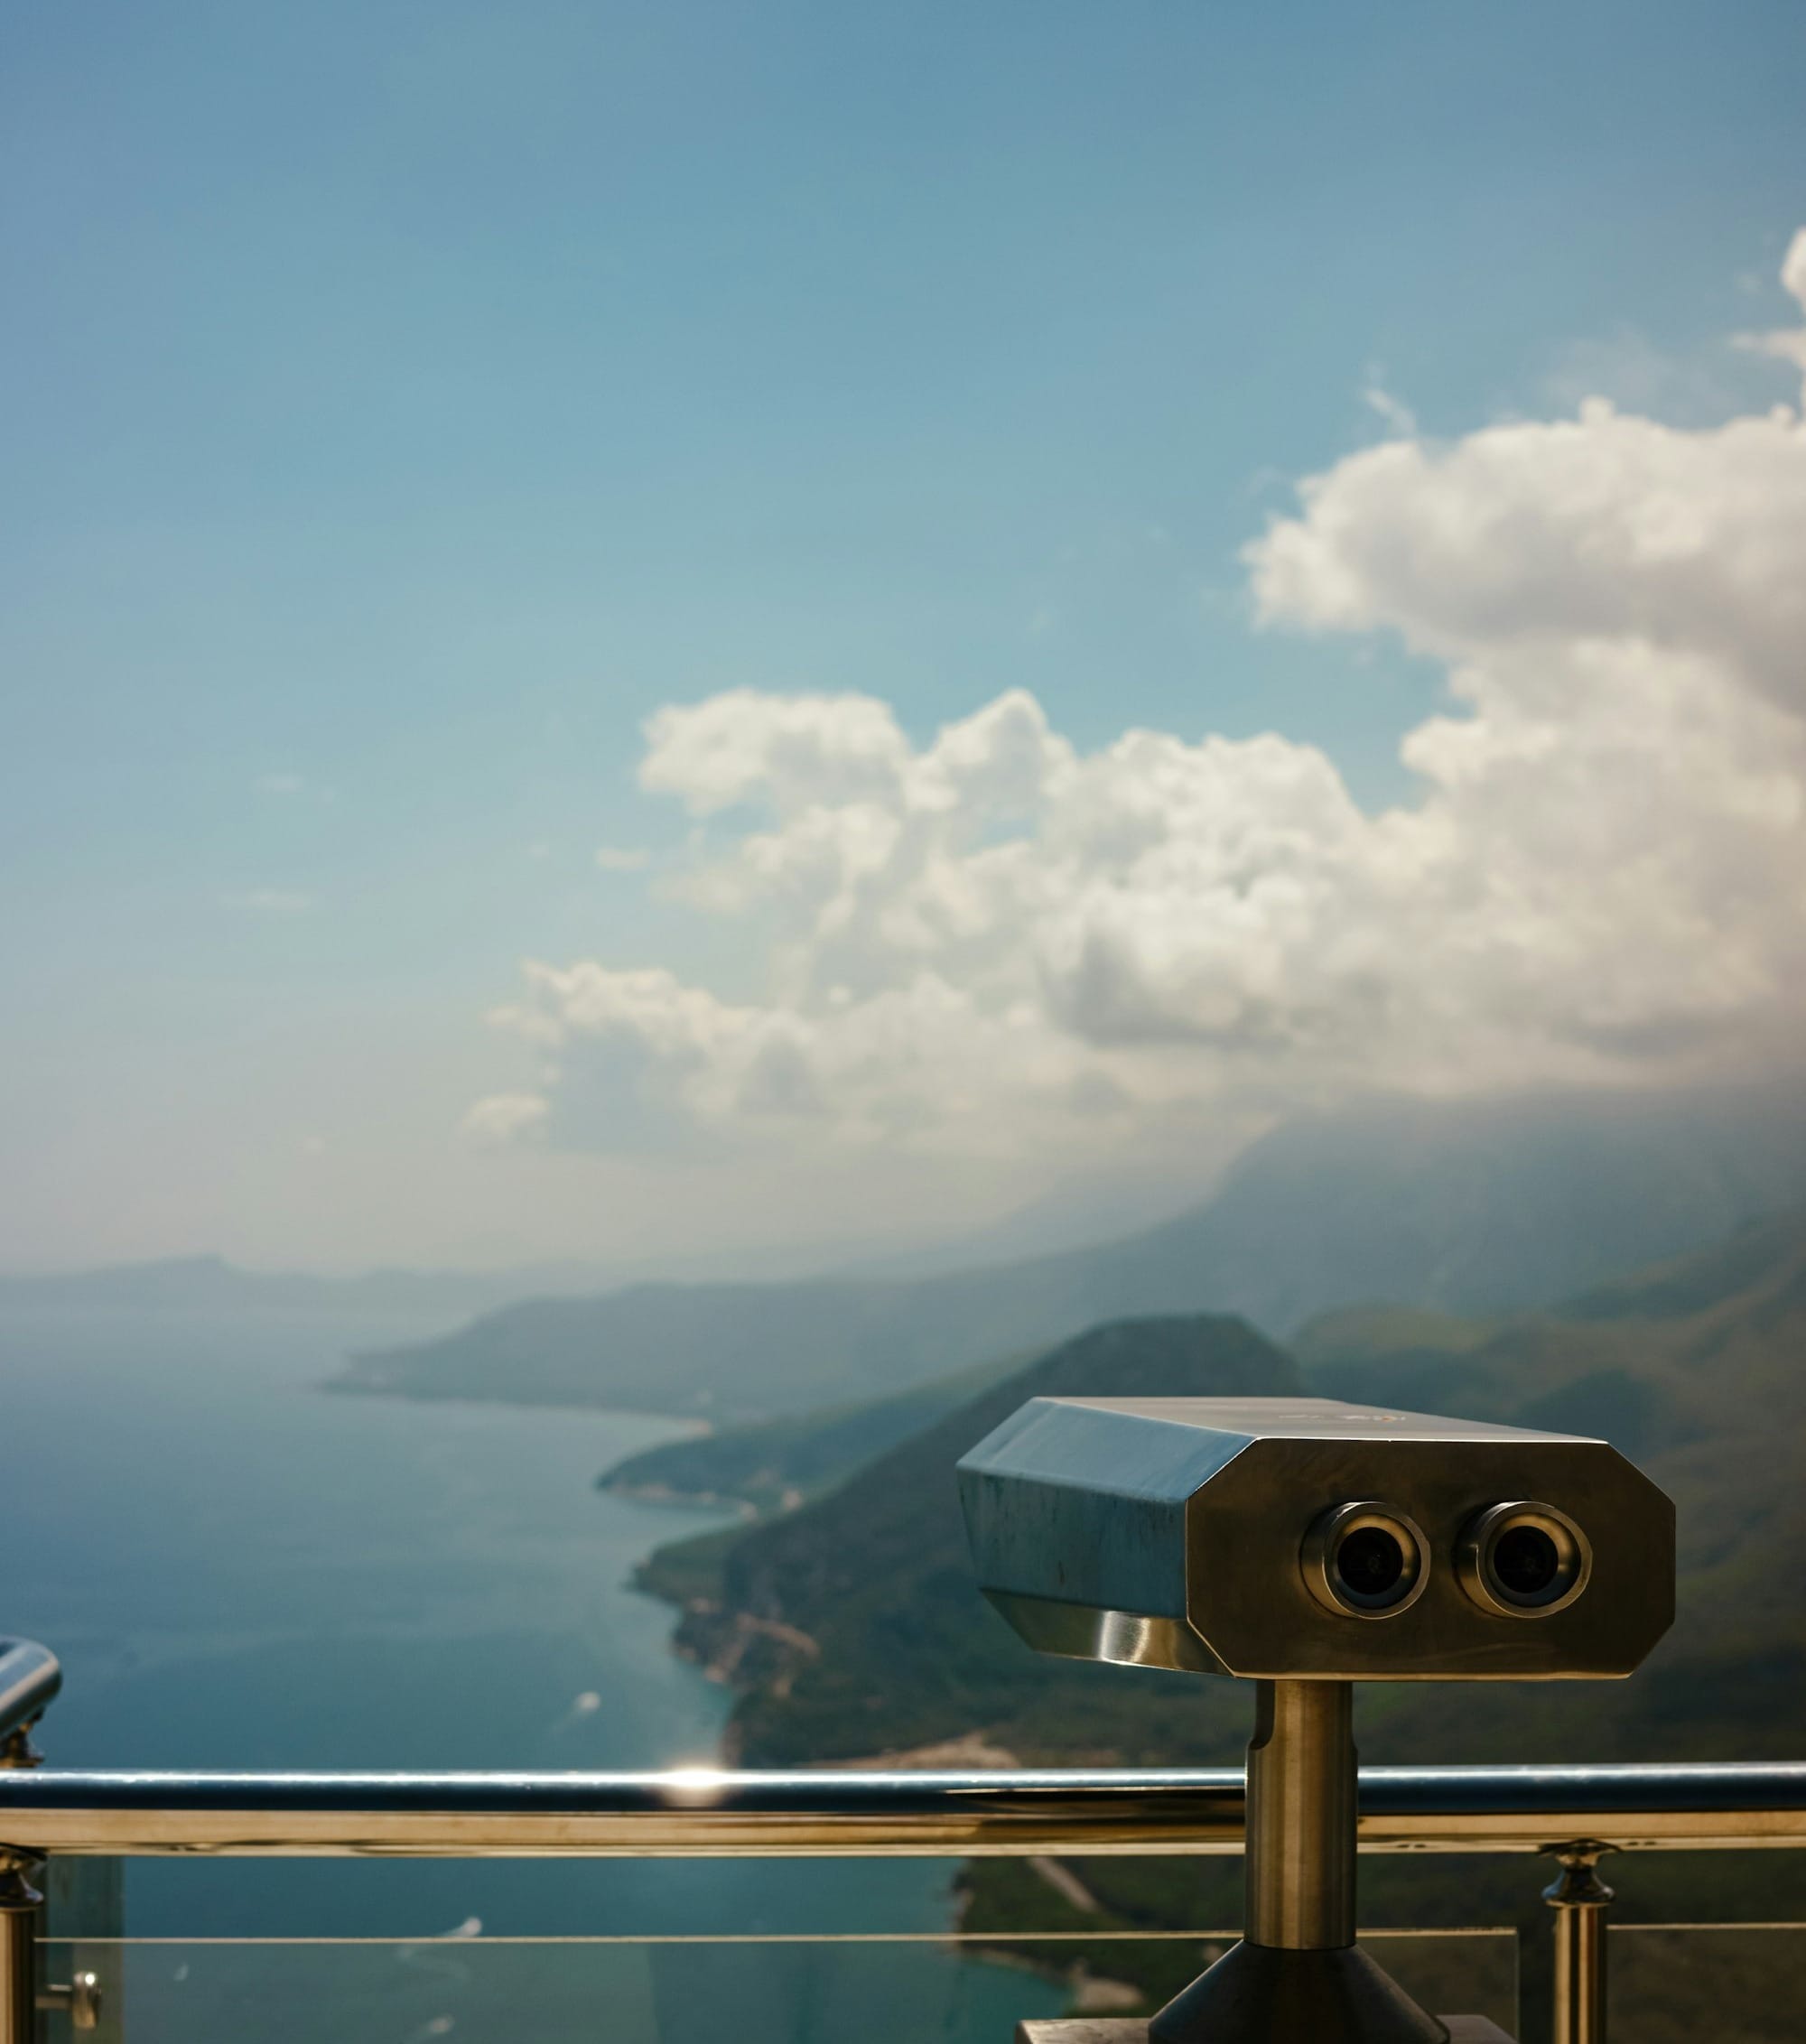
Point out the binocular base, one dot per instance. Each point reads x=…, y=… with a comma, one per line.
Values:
x=1122, y=2030
x=1260, y=1994
x=1257, y=1995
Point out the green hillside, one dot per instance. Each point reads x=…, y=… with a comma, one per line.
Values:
x=775, y=1464
x=852, y=1626
x=1462, y=1209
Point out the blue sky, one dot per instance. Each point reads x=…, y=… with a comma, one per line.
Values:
x=403, y=403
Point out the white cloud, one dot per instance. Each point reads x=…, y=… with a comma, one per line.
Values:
x=622, y=859
x=789, y=749
x=1395, y=411
x=996, y=944
x=1789, y=344
x=504, y=1118
x=1542, y=540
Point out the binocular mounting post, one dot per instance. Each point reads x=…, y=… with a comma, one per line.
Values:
x=1297, y=1975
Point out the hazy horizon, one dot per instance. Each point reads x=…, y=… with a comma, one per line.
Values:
x=1459, y=1143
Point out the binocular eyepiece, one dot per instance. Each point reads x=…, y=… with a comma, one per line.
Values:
x=1365, y=1559
x=1519, y=1559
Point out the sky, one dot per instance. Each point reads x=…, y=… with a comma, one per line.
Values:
x=637, y=630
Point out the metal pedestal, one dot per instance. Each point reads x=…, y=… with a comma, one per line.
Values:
x=1255, y=1995
x=1298, y=1976
x=1118, y=2030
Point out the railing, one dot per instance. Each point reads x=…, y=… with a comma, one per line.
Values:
x=702, y=1814
x=1575, y=1814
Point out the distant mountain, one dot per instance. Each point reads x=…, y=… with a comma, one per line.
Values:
x=853, y=1624
x=208, y=1283
x=1463, y=1208
x=1074, y=1216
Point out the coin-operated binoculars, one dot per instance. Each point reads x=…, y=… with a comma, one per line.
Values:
x=1310, y=1545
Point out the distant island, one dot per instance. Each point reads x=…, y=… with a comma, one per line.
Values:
x=209, y=1283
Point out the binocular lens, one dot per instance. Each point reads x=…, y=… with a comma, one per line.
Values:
x=1526, y=1561
x=1365, y=1560
x=1523, y=1560
x=1370, y=1562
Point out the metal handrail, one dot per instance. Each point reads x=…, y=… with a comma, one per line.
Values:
x=704, y=1813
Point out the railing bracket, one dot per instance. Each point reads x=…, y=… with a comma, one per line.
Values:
x=79, y=1999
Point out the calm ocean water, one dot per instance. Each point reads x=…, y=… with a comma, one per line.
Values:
x=240, y=1571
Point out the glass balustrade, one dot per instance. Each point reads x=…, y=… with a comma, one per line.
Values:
x=1728, y=1984
x=663, y=1907
x=900, y=1987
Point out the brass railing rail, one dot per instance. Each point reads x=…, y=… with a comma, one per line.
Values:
x=701, y=1813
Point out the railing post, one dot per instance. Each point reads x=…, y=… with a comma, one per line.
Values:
x=1579, y=1900
x=29, y=1678
x=19, y=1904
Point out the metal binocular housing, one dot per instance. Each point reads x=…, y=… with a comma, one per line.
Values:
x=1307, y=1539
x=1311, y=1544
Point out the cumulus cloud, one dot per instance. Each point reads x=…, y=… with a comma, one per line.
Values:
x=996, y=942
x=504, y=1118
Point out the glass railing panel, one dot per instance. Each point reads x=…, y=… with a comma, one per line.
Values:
x=1455, y=1972
x=257, y=1896
x=84, y=1901
x=1707, y=1983
x=898, y=1988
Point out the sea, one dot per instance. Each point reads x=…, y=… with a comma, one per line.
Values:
x=239, y=1570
